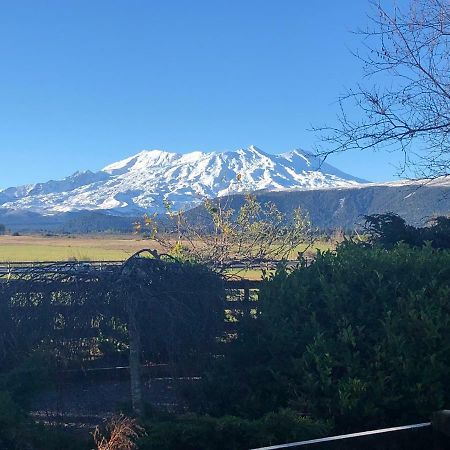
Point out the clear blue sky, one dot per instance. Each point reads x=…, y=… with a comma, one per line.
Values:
x=87, y=82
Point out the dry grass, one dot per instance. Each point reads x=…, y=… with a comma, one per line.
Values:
x=119, y=433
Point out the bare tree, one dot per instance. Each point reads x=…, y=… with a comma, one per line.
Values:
x=404, y=102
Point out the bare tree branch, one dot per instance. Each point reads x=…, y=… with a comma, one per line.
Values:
x=407, y=105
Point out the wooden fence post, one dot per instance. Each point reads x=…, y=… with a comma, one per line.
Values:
x=135, y=360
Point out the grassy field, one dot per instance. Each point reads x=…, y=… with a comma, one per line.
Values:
x=86, y=247
x=63, y=248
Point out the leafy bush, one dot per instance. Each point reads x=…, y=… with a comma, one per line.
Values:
x=390, y=229
x=18, y=431
x=358, y=336
x=29, y=377
x=192, y=432
x=12, y=423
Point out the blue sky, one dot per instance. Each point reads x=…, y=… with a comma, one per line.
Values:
x=87, y=82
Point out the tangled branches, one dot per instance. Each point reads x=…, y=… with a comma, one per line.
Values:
x=225, y=232
x=408, y=106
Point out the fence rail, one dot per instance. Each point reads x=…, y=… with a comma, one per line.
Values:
x=316, y=443
x=60, y=266
x=19, y=266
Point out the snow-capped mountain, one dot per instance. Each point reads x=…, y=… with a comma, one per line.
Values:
x=147, y=180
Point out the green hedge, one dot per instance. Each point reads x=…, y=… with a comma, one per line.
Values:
x=360, y=336
x=191, y=432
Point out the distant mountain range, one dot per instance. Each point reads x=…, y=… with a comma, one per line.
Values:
x=152, y=179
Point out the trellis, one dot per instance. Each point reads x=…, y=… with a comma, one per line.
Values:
x=147, y=307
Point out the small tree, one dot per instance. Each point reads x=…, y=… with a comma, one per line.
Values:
x=407, y=105
x=221, y=236
x=2, y=229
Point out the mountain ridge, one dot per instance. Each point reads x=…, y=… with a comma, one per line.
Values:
x=149, y=179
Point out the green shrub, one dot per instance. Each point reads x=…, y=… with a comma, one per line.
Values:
x=12, y=423
x=192, y=432
x=389, y=229
x=363, y=333
x=19, y=432
x=358, y=336
x=29, y=377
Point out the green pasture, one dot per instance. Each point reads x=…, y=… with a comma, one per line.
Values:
x=63, y=249
x=30, y=252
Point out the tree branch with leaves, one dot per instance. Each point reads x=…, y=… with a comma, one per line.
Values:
x=222, y=236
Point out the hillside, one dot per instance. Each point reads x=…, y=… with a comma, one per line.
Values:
x=344, y=207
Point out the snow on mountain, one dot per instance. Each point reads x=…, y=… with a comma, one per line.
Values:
x=146, y=180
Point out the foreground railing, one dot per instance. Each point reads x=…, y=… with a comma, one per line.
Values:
x=359, y=440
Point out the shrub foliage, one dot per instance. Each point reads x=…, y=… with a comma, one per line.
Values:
x=192, y=432
x=359, y=336
x=389, y=229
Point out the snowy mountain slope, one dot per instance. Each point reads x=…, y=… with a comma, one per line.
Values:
x=144, y=181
